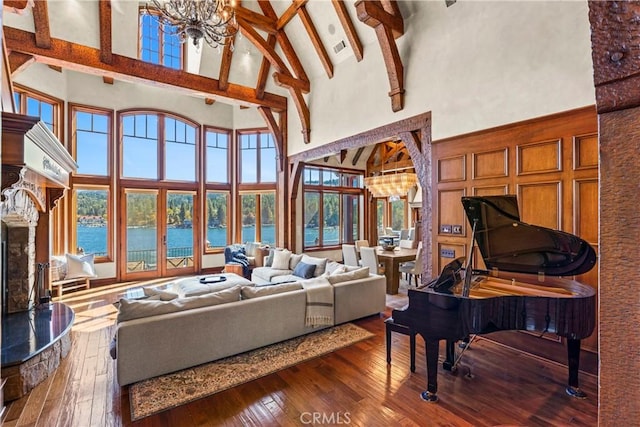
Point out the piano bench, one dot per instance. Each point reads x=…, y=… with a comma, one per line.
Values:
x=391, y=326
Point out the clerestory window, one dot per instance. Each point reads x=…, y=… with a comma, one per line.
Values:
x=157, y=43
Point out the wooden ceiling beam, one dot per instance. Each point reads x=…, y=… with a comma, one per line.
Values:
x=288, y=14
x=356, y=157
x=275, y=130
x=263, y=74
x=41, y=24
x=285, y=80
x=285, y=44
x=267, y=51
x=257, y=20
x=349, y=29
x=86, y=59
x=16, y=6
x=303, y=112
x=373, y=14
x=225, y=64
x=315, y=40
x=105, y=31
x=19, y=62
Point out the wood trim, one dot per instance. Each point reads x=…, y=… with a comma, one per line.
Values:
x=106, y=54
x=86, y=59
x=261, y=22
x=288, y=14
x=349, y=29
x=307, y=22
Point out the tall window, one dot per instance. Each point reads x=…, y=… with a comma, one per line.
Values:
x=331, y=207
x=142, y=144
x=217, y=155
x=158, y=44
x=258, y=217
x=91, y=146
x=257, y=158
x=218, y=187
x=35, y=104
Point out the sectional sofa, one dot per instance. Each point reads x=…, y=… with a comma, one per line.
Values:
x=189, y=324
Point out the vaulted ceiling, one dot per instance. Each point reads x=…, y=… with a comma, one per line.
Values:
x=282, y=46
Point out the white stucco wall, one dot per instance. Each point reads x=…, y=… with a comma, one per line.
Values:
x=474, y=65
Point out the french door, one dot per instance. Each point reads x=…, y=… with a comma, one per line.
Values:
x=158, y=233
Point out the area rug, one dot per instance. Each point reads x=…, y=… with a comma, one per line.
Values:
x=158, y=394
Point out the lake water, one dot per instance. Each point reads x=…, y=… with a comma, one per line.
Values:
x=92, y=239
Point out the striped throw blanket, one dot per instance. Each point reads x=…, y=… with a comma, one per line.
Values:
x=319, y=302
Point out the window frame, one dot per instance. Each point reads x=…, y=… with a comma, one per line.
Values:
x=92, y=181
x=57, y=104
x=321, y=189
x=142, y=11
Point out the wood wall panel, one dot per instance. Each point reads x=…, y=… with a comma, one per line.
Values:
x=540, y=157
x=539, y=204
x=492, y=190
x=491, y=164
x=451, y=210
x=551, y=163
x=452, y=169
x=585, y=151
x=459, y=250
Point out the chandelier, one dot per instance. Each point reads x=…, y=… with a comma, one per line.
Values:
x=211, y=20
x=391, y=185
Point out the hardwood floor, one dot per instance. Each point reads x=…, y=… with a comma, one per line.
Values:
x=352, y=386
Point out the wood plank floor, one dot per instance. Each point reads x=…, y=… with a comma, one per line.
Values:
x=352, y=386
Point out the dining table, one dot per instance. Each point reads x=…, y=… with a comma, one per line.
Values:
x=391, y=259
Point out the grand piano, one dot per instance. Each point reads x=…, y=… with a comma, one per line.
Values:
x=526, y=285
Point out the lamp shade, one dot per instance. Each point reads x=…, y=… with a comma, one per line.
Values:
x=390, y=185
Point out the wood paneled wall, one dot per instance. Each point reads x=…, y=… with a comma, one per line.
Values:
x=550, y=163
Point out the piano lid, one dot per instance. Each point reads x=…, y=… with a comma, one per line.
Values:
x=508, y=244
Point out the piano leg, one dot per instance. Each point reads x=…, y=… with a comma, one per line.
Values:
x=432, y=351
x=573, y=352
x=449, y=362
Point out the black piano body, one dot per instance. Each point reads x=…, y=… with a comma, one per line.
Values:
x=525, y=287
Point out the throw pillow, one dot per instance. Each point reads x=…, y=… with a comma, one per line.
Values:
x=58, y=268
x=80, y=266
x=269, y=261
x=304, y=270
x=321, y=264
x=348, y=276
x=281, y=260
x=249, y=292
x=135, y=309
x=294, y=260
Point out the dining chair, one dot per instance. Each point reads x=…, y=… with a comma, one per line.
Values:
x=412, y=234
x=413, y=268
x=404, y=234
x=349, y=255
x=407, y=244
x=388, y=231
x=361, y=244
x=369, y=258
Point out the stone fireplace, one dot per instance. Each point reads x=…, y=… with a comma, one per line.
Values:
x=36, y=170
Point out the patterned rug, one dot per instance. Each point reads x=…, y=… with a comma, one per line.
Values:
x=158, y=394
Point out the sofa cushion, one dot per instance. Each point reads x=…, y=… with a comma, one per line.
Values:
x=294, y=260
x=332, y=265
x=267, y=273
x=163, y=294
x=191, y=286
x=304, y=270
x=135, y=309
x=285, y=278
x=281, y=260
x=249, y=292
x=346, y=276
x=321, y=264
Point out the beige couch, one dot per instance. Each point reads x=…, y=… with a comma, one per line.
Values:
x=215, y=325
